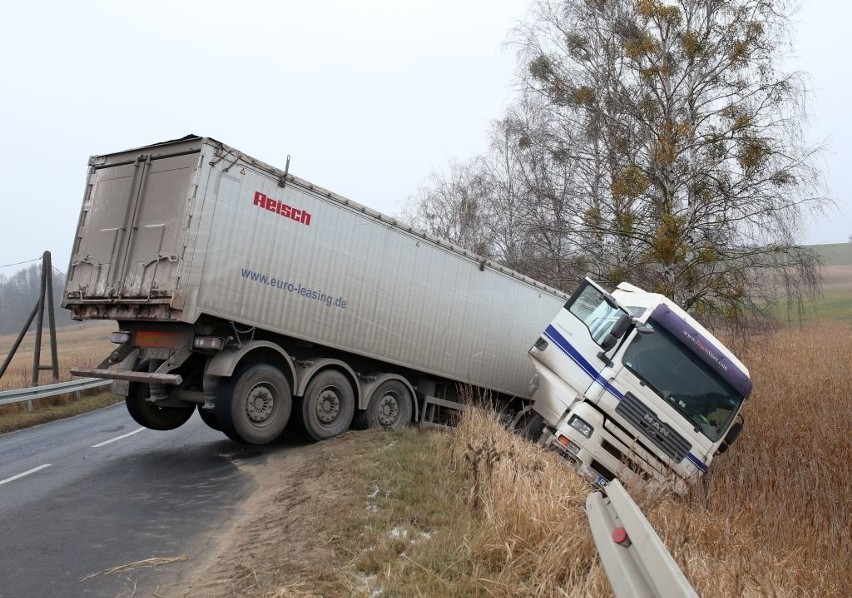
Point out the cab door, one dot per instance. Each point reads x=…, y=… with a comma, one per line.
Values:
x=572, y=346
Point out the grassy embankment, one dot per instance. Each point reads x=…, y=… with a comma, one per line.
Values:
x=476, y=511
x=77, y=346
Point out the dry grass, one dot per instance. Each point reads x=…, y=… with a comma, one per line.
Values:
x=43, y=412
x=473, y=512
x=784, y=489
x=531, y=533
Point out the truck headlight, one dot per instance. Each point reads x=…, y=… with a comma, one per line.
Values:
x=581, y=426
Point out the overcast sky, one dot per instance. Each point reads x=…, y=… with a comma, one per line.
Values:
x=368, y=97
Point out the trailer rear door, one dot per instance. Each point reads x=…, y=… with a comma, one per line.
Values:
x=131, y=233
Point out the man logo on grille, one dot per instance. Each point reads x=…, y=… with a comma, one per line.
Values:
x=652, y=423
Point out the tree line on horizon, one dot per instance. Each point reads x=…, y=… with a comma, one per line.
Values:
x=19, y=294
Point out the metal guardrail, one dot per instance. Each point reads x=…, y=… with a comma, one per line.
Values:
x=50, y=390
x=637, y=562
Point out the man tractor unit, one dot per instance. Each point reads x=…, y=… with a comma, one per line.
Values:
x=631, y=385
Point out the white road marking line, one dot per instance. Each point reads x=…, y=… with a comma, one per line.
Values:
x=105, y=442
x=26, y=473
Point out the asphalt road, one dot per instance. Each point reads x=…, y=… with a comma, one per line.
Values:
x=88, y=494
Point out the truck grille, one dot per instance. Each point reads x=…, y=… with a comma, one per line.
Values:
x=646, y=421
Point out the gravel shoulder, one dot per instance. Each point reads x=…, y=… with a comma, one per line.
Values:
x=281, y=546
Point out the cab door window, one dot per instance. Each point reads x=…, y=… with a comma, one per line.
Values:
x=590, y=306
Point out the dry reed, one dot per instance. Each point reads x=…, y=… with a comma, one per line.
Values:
x=531, y=537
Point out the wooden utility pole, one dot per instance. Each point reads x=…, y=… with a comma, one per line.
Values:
x=46, y=292
x=45, y=296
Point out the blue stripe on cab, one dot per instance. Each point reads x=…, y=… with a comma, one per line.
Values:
x=697, y=462
x=581, y=361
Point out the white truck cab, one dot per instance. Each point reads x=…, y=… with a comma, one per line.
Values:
x=629, y=384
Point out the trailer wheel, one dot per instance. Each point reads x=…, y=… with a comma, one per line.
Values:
x=328, y=405
x=150, y=415
x=208, y=416
x=253, y=405
x=390, y=407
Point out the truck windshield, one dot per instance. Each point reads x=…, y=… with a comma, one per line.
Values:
x=683, y=380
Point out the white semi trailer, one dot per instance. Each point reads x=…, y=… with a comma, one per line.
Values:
x=246, y=293
x=630, y=385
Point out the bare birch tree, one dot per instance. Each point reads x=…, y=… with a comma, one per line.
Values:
x=684, y=141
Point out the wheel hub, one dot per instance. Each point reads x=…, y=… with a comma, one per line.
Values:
x=328, y=406
x=259, y=404
x=388, y=410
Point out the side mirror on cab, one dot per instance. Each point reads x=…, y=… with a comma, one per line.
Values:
x=622, y=324
x=730, y=437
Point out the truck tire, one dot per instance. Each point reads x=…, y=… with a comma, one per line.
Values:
x=208, y=416
x=531, y=426
x=390, y=407
x=254, y=404
x=153, y=416
x=328, y=405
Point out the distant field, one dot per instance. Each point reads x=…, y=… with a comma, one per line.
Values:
x=836, y=271
x=84, y=345
x=835, y=304
x=836, y=254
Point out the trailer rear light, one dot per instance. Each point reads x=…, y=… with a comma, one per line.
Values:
x=208, y=343
x=566, y=442
x=120, y=337
x=158, y=339
x=581, y=426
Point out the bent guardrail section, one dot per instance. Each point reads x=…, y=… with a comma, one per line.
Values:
x=637, y=562
x=50, y=390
